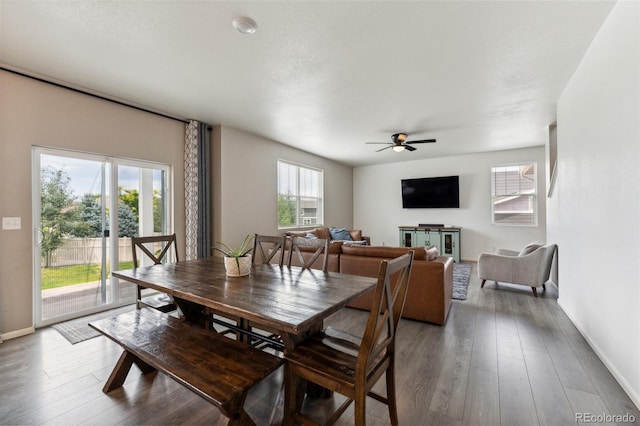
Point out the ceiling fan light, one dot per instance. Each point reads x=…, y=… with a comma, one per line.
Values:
x=245, y=25
x=398, y=148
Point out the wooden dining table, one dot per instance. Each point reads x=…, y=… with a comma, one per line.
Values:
x=290, y=300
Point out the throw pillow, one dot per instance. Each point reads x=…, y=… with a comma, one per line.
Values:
x=356, y=234
x=311, y=236
x=356, y=243
x=322, y=232
x=340, y=234
x=432, y=252
x=529, y=248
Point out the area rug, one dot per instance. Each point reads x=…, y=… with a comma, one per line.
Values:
x=461, y=274
x=78, y=330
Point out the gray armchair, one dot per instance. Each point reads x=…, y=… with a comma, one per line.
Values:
x=529, y=267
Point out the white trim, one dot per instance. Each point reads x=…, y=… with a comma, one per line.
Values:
x=112, y=165
x=534, y=194
x=622, y=381
x=320, y=199
x=17, y=333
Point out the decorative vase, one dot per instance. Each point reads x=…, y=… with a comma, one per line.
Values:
x=231, y=266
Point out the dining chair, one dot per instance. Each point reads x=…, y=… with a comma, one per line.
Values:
x=268, y=247
x=159, y=301
x=350, y=365
x=300, y=244
x=265, y=249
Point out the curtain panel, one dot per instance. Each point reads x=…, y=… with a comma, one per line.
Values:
x=197, y=181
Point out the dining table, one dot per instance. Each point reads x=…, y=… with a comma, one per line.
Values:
x=292, y=301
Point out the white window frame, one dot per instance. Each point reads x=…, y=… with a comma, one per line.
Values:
x=298, y=196
x=532, y=193
x=112, y=163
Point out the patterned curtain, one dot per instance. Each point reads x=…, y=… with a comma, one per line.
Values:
x=197, y=181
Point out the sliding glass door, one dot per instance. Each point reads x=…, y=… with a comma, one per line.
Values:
x=86, y=208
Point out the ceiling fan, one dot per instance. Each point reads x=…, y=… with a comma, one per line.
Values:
x=400, y=143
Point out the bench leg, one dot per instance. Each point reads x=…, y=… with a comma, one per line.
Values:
x=121, y=370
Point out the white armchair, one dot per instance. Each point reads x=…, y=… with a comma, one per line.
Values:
x=529, y=267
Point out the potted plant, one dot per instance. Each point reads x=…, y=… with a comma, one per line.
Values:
x=237, y=261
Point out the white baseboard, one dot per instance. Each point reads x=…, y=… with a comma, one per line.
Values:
x=17, y=333
x=630, y=391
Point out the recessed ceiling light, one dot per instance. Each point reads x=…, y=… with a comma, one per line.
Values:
x=245, y=25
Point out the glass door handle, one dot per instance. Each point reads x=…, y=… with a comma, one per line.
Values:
x=38, y=236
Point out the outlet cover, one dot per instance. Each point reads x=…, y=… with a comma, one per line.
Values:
x=11, y=223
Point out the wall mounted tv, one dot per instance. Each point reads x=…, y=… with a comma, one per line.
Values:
x=431, y=193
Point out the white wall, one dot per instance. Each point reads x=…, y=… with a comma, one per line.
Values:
x=378, y=203
x=596, y=198
x=245, y=182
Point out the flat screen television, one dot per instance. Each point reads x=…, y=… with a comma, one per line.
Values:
x=431, y=193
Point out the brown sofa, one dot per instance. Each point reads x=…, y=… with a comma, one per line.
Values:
x=335, y=247
x=431, y=286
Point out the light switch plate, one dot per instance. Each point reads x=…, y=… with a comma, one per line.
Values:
x=11, y=223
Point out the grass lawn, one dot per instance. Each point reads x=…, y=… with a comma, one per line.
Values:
x=77, y=274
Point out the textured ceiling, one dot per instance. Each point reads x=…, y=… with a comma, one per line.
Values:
x=322, y=76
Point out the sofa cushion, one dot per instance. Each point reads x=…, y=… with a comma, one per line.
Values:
x=302, y=234
x=341, y=234
x=385, y=252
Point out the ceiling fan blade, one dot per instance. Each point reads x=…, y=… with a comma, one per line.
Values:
x=422, y=141
x=382, y=149
x=409, y=148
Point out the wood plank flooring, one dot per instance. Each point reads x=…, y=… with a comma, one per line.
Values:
x=503, y=358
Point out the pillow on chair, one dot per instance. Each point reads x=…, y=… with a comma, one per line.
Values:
x=529, y=248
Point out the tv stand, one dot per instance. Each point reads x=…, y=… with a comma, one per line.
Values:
x=446, y=238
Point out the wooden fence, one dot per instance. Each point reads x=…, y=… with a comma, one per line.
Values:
x=82, y=251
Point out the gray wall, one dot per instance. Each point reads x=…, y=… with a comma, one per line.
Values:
x=35, y=113
x=245, y=185
x=595, y=207
x=378, y=203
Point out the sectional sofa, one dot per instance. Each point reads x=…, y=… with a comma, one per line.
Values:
x=431, y=285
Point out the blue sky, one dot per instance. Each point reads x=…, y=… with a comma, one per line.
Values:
x=85, y=175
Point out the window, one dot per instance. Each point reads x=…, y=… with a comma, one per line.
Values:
x=514, y=195
x=299, y=195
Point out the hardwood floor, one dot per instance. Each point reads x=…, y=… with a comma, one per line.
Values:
x=503, y=358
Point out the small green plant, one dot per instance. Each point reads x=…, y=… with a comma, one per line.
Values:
x=242, y=251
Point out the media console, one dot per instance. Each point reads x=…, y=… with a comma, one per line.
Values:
x=446, y=238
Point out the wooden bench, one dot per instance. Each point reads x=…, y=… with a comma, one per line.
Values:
x=219, y=369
